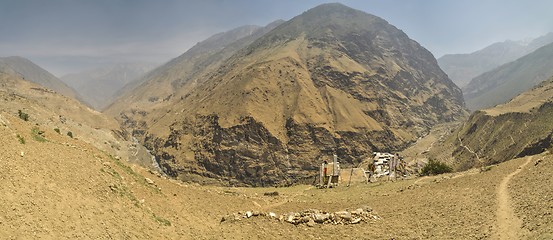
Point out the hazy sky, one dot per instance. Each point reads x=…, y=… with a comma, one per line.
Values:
x=71, y=35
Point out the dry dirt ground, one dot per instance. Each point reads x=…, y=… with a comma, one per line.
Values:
x=64, y=188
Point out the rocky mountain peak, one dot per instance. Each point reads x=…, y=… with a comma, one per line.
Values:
x=331, y=80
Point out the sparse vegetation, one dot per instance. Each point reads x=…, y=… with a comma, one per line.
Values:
x=38, y=135
x=112, y=172
x=57, y=130
x=486, y=168
x=24, y=116
x=21, y=139
x=435, y=167
x=161, y=220
x=70, y=134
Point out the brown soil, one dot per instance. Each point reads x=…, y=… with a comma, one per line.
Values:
x=509, y=226
x=57, y=187
x=66, y=189
x=531, y=193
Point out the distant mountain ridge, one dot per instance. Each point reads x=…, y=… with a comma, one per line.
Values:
x=505, y=82
x=462, y=68
x=30, y=71
x=331, y=80
x=99, y=86
x=182, y=73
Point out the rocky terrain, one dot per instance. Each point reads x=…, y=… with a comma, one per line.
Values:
x=52, y=111
x=264, y=106
x=65, y=188
x=462, y=68
x=507, y=81
x=99, y=86
x=62, y=187
x=346, y=83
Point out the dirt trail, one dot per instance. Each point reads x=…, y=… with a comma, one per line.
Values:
x=509, y=226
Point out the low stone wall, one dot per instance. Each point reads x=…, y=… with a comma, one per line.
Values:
x=310, y=217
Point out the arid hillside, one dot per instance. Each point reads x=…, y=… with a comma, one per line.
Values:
x=52, y=111
x=521, y=127
x=173, y=80
x=29, y=71
x=346, y=83
x=61, y=187
x=83, y=186
x=505, y=82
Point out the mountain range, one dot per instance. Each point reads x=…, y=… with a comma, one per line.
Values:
x=268, y=109
x=266, y=106
x=462, y=68
x=506, y=81
x=98, y=87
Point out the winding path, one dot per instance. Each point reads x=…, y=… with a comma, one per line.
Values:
x=509, y=226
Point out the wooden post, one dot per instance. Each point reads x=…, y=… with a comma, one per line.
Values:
x=350, y=174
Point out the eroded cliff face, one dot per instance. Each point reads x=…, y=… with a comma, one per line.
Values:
x=495, y=139
x=249, y=154
x=521, y=127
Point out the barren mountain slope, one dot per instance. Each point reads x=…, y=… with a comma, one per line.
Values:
x=521, y=127
x=332, y=80
x=462, y=68
x=172, y=80
x=99, y=86
x=505, y=82
x=79, y=186
x=31, y=72
x=53, y=111
x=59, y=187
x=66, y=189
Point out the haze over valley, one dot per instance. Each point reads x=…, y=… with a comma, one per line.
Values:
x=276, y=119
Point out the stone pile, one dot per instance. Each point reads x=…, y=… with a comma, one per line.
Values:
x=310, y=217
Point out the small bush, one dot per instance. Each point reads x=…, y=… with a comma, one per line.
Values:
x=21, y=139
x=272, y=194
x=486, y=168
x=38, y=135
x=434, y=167
x=161, y=220
x=57, y=130
x=24, y=116
x=70, y=134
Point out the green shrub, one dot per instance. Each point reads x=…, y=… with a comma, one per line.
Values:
x=38, y=135
x=24, y=116
x=486, y=168
x=434, y=167
x=57, y=130
x=70, y=134
x=21, y=139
